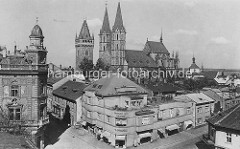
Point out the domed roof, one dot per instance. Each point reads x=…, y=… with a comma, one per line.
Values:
x=37, y=31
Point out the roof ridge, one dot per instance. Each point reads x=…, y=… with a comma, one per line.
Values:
x=218, y=122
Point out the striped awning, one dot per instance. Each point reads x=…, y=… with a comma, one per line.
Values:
x=120, y=137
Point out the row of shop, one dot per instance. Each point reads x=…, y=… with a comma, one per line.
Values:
x=122, y=141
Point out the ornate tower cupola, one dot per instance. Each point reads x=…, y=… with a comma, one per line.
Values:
x=36, y=53
x=118, y=40
x=84, y=44
x=105, y=39
x=36, y=37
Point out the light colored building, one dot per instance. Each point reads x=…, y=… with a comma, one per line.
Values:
x=224, y=129
x=66, y=102
x=117, y=110
x=202, y=106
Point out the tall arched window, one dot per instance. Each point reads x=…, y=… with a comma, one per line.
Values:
x=117, y=46
x=117, y=36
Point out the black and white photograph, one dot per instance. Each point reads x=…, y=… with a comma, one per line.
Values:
x=119, y=74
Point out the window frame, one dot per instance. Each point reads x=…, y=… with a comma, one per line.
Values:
x=14, y=89
x=229, y=137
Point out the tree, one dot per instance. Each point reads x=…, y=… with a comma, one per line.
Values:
x=101, y=65
x=86, y=65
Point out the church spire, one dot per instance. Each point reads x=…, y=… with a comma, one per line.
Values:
x=118, y=24
x=106, y=24
x=84, y=33
x=161, y=38
x=193, y=59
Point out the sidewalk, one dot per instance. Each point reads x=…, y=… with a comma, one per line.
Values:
x=74, y=139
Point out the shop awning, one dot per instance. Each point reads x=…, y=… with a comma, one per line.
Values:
x=145, y=135
x=106, y=134
x=161, y=130
x=189, y=122
x=172, y=127
x=84, y=123
x=120, y=137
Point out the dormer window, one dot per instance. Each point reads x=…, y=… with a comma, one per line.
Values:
x=99, y=86
x=94, y=85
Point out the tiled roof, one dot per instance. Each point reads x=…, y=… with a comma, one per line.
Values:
x=229, y=118
x=138, y=59
x=157, y=47
x=215, y=96
x=118, y=24
x=106, y=25
x=195, y=97
x=114, y=85
x=194, y=66
x=15, y=60
x=70, y=90
x=163, y=88
x=53, y=80
x=84, y=33
x=210, y=74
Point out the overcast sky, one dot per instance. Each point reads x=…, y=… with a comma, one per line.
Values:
x=208, y=28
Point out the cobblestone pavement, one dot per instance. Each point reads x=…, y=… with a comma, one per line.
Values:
x=78, y=138
x=9, y=141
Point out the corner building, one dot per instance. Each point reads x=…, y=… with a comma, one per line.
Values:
x=117, y=110
x=23, y=81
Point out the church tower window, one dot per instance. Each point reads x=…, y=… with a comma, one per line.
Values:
x=104, y=48
x=117, y=36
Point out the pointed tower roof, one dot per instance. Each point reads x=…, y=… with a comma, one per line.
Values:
x=84, y=33
x=106, y=24
x=118, y=24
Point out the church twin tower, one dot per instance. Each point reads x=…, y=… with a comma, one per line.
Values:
x=112, y=43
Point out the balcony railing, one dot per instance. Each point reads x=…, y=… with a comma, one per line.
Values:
x=23, y=67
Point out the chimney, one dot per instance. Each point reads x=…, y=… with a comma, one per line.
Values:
x=8, y=52
x=60, y=66
x=26, y=47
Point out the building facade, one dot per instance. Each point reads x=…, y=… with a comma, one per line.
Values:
x=203, y=106
x=117, y=111
x=66, y=103
x=223, y=129
x=84, y=44
x=23, y=81
x=112, y=42
x=112, y=47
